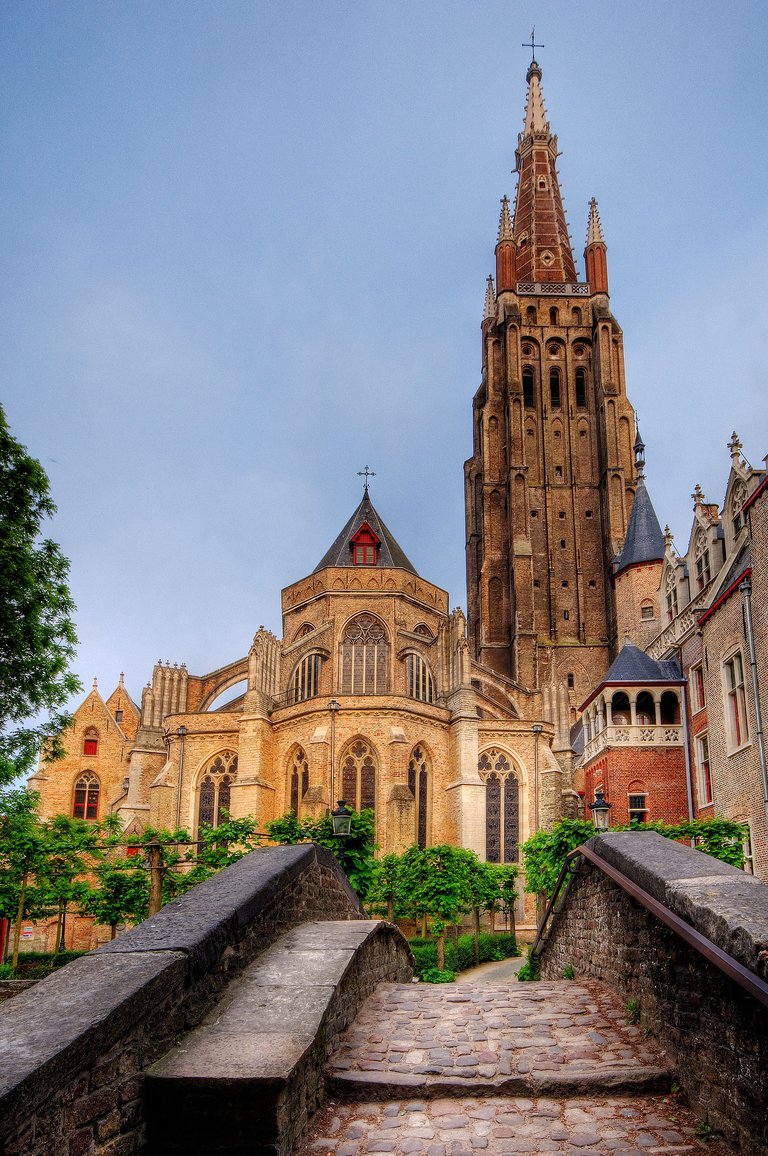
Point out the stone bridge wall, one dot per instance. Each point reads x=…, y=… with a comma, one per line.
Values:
x=76, y=1045
x=715, y=1033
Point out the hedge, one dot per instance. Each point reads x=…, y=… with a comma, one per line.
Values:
x=460, y=956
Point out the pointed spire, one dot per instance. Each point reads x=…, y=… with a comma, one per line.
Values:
x=644, y=541
x=594, y=226
x=489, y=308
x=535, y=112
x=540, y=230
x=505, y=221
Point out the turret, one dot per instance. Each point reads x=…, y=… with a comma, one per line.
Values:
x=506, y=257
x=595, y=252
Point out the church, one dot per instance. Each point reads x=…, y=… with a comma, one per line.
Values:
x=475, y=730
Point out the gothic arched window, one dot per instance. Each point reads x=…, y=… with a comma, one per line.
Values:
x=364, y=657
x=305, y=680
x=419, y=782
x=581, y=389
x=528, y=392
x=215, y=789
x=554, y=388
x=703, y=564
x=358, y=776
x=86, y=801
x=91, y=741
x=298, y=775
x=419, y=678
x=502, y=807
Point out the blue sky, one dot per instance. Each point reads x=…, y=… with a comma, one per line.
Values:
x=245, y=255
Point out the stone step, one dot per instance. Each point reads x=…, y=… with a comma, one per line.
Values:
x=555, y=1039
x=602, y=1125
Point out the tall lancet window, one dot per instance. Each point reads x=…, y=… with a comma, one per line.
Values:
x=215, y=796
x=419, y=783
x=298, y=773
x=365, y=657
x=358, y=775
x=502, y=807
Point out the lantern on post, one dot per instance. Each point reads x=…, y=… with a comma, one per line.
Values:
x=342, y=819
x=600, y=810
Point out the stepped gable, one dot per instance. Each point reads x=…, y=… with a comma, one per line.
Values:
x=389, y=553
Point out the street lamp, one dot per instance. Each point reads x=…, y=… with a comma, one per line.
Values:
x=334, y=707
x=342, y=819
x=600, y=810
x=537, y=728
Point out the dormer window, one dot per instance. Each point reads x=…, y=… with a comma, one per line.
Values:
x=365, y=547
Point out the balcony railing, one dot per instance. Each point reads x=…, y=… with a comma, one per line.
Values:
x=667, y=735
x=553, y=288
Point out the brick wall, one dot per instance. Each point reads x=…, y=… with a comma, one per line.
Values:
x=714, y=1032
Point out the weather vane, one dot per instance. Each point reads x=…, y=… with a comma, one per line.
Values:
x=366, y=473
x=533, y=45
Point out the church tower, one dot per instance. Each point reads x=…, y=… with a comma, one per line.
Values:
x=550, y=482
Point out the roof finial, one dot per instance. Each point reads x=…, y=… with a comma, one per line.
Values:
x=532, y=44
x=489, y=308
x=697, y=495
x=639, y=448
x=95, y=684
x=366, y=473
x=594, y=225
x=734, y=445
x=505, y=221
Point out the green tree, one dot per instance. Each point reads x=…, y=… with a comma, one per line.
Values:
x=70, y=851
x=435, y=882
x=37, y=637
x=354, y=852
x=385, y=892
x=544, y=854
x=22, y=850
x=120, y=893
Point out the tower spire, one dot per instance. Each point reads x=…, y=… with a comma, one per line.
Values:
x=595, y=252
x=489, y=308
x=540, y=231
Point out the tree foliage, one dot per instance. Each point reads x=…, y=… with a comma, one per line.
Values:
x=544, y=853
x=37, y=636
x=354, y=852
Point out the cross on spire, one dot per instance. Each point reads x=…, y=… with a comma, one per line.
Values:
x=366, y=473
x=532, y=45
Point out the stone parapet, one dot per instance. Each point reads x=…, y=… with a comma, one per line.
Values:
x=715, y=1033
x=76, y=1046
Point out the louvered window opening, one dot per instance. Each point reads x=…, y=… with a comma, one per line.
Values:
x=365, y=657
x=419, y=678
x=502, y=808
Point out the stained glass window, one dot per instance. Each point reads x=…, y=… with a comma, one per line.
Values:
x=86, y=803
x=215, y=792
x=502, y=807
x=364, y=657
x=358, y=776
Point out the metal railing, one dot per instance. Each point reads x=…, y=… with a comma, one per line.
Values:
x=746, y=979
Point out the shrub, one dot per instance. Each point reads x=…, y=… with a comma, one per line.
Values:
x=434, y=975
x=460, y=956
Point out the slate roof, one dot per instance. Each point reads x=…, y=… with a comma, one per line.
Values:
x=390, y=553
x=644, y=541
x=633, y=665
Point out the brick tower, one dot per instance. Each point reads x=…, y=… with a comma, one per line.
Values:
x=550, y=482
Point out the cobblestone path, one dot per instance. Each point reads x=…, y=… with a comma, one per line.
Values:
x=507, y=1069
